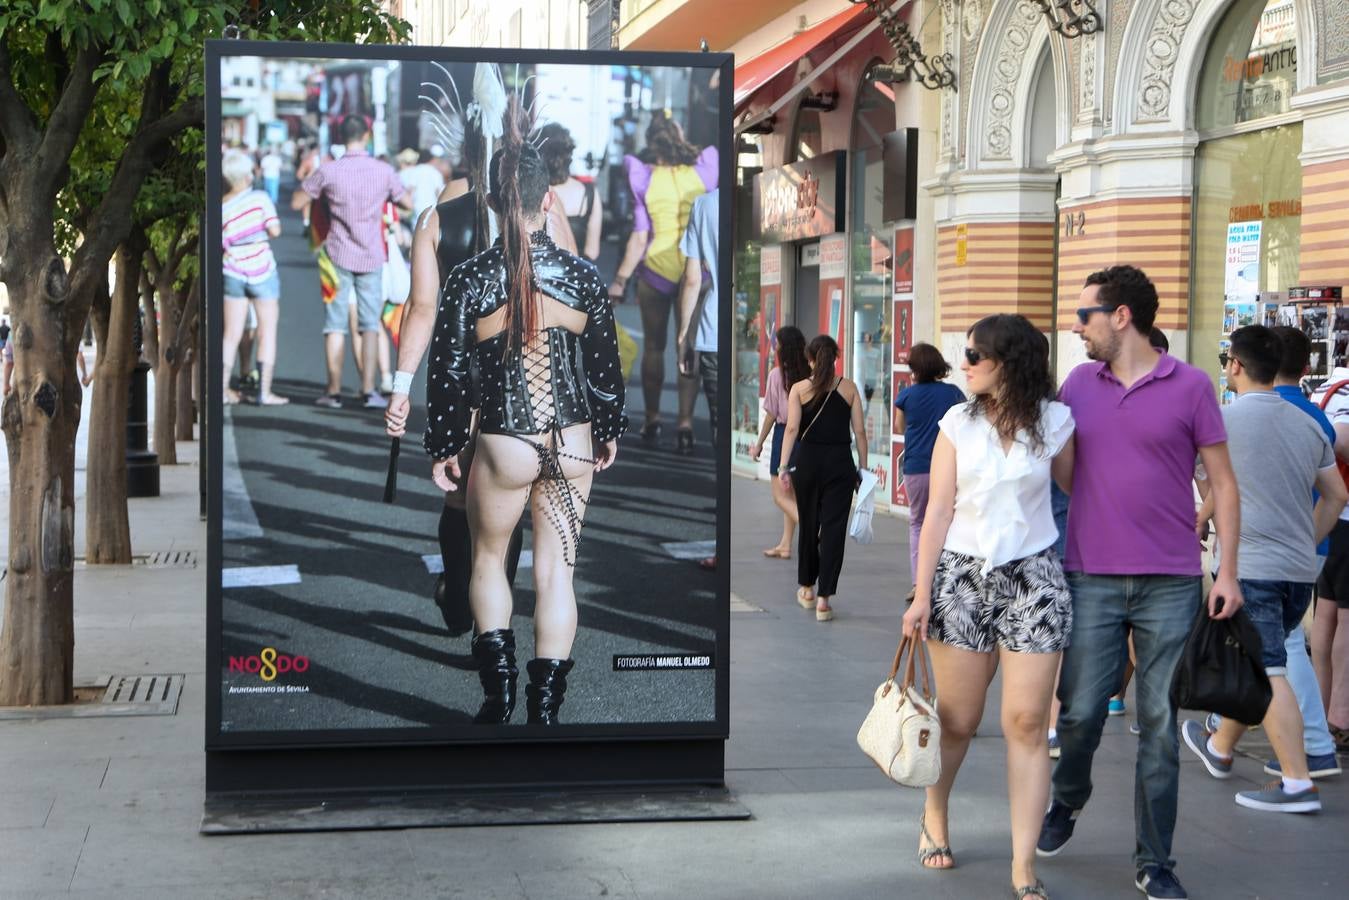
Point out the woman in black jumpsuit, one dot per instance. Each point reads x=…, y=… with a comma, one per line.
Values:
x=821, y=410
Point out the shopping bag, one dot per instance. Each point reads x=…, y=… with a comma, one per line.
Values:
x=1220, y=670
x=859, y=526
x=397, y=276
x=902, y=733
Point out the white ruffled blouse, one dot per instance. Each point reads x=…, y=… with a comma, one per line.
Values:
x=1002, y=510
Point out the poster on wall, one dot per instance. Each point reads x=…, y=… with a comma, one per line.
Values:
x=898, y=495
x=1242, y=269
x=1315, y=322
x=833, y=273
x=345, y=585
x=903, y=331
x=1238, y=314
x=904, y=260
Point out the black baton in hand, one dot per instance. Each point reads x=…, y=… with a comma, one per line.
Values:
x=391, y=480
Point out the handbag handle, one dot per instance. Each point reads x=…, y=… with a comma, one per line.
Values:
x=918, y=651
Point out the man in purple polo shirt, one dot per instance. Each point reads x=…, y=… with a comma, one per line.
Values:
x=356, y=188
x=1133, y=557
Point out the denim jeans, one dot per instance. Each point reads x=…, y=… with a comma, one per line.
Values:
x=1160, y=610
x=1275, y=608
x=1316, y=737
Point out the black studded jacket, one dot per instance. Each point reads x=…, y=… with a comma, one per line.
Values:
x=586, y=374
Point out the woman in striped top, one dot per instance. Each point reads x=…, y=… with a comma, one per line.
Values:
x=247, y=219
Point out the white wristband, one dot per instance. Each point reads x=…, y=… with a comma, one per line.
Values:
x=402, y=383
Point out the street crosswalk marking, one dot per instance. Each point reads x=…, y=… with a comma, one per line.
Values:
x=239, y=521
x=259, y=576
x=690, y=549
x=435, y=565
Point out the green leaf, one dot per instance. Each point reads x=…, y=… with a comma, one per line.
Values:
x=189, y=18
x=124, y=12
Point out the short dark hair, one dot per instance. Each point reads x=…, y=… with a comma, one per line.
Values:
x=353, y=129
x=1128, y=286
x=1259, y=351
x=1297, y=351
x=927, y=363
x=1157, y=338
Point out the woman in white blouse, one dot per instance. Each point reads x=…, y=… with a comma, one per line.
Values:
x=989, y=581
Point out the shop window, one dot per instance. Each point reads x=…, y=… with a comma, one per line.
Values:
x=807, y=135
x=1251, y=69
x=872, y=243
x=749, y=321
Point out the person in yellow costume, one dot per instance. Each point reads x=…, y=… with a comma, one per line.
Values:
x=665, y=179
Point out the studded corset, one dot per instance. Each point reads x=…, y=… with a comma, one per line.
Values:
x=559, y=378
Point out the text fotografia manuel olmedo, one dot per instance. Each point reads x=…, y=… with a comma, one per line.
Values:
x=652, y=662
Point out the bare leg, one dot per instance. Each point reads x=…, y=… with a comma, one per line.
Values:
x=332, y=348
x=785, y=499
x=555, y=606
x=1337, y=710
x=1323, y=640
x=1027, y=686
x=688, y=398
x=369, y=360
x=384, y=369
x=268, y=312
x=962, y=678
x=236, y=312
x=355, y=339
x=1283, y=726
x=503, y=470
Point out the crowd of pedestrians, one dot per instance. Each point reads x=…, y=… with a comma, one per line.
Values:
x=1057, y=535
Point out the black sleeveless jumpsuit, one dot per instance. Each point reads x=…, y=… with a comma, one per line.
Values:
x=825, y=479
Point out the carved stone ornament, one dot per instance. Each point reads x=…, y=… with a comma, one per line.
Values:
x=1006, y=73
x=972, y=18
x=948, y=100
x=1086, y=110
x=1159, y=60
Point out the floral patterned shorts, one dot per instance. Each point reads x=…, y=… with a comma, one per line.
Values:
x=1023, y=605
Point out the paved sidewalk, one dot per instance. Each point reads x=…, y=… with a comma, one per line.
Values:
x=109, y=808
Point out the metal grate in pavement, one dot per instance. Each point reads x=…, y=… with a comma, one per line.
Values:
x=168, y=559
x=154, y=695
x=115, y=695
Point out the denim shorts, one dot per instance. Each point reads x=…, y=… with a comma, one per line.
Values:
x=365, y=291
x=1275, y=608
x=265, y=290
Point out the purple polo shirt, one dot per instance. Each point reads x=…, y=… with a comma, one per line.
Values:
x=356, y=188
x=1132, y=509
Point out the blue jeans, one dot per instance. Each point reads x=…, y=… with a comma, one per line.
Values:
x=369, y=288
x=1316, y=739
x=1160, y=610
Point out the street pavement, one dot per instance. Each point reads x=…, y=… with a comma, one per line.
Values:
x=337, y=576
x=109, y=808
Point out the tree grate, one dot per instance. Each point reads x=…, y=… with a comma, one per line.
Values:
x=111, y=695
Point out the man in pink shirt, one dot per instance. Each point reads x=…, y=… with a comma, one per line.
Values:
x=1133, y=557
x=355, y=187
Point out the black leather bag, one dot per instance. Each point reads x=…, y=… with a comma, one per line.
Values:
x=1221, y=671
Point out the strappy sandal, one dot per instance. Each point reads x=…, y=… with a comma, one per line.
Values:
x=651, y=434
x=1031, y=890
x=777, y=553
x=825, y=614
x=806, y=597
x=936, y=850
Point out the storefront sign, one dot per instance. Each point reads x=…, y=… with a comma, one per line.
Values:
x=903, y=331
x=904, y=260
x=962, y=243
x=1277, y=209
x=802, y=200
x=810, y=255
x=1242, y=278
x=770, y=265
x=833, y=257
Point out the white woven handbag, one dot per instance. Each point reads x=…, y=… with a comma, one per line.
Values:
x=902, y=733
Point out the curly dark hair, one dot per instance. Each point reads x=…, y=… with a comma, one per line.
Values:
x=927, y=363
x=1128, y=286
x=665, y=144
x=792, y=355
x=556, y=146
x=1022, y=351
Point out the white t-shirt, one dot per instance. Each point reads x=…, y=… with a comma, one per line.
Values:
x=271, y=166
x=425, y=184
x=1337, y=410
x=1002, y=510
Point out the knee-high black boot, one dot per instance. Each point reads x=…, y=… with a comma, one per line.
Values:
x=546, y=689
x=494, y=652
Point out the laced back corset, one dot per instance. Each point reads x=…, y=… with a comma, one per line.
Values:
x=559, y=378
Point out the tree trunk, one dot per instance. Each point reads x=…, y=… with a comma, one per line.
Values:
x=151, y=318
x=40, y=417
x=187, y=414
x=107, y=529
x=166, y=379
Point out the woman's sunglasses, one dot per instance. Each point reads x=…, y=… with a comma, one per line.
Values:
x=973, y=356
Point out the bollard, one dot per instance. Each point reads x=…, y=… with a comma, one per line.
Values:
x=142, y=464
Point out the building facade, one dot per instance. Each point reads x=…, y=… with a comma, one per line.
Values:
x=538, y=24
x=1205, y=141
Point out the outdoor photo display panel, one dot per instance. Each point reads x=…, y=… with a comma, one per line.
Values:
x=338, y=617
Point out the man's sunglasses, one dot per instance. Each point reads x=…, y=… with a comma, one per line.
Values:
x=1224, y=359
x=1084, y=312
x=973, y=356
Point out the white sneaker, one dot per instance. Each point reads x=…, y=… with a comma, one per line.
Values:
x=375, y=400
